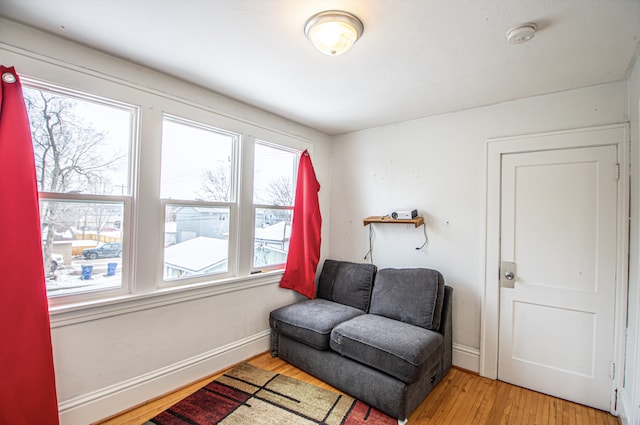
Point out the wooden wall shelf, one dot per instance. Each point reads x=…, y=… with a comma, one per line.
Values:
x=417, y=221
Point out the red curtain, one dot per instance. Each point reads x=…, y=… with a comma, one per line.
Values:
x=304, y=246
x=27, y=381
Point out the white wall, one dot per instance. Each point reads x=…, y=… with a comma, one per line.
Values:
x=630, y=395
x=111, y=357
x=437, y=166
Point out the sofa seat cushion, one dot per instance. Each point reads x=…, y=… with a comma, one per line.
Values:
x=399, y=349
x=311, y=321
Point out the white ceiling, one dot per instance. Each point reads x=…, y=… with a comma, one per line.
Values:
x=416, y=57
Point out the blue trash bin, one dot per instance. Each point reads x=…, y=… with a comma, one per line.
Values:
x=86, y=272
x=111, y=269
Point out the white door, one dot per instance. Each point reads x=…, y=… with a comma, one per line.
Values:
x=557, y=309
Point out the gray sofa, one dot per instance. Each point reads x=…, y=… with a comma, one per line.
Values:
x=382, y=336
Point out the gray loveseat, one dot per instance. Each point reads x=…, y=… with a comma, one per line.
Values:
x=382, y=336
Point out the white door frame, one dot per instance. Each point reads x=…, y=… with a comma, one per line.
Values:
x=615, y=134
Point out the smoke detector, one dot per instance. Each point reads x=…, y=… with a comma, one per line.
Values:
x=521, y=33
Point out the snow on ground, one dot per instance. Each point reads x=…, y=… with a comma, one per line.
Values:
x=69, y=278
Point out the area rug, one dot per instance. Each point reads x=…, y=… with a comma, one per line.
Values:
x=250, y=395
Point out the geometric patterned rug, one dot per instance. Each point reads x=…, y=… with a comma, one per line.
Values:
x=249, y=395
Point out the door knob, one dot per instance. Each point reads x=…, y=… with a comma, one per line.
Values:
x=507, y=274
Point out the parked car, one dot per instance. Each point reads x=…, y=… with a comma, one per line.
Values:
x=113, y=249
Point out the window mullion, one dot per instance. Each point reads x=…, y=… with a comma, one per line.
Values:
x=148, y=215
x=245, y=206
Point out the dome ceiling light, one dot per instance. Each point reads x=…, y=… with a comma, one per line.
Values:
x=333, y=32
x=522, y=33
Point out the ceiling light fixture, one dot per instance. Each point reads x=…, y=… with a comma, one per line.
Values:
x=333, y=32
x=522, y=33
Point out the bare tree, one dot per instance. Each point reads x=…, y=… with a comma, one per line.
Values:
x=215, y=184
x=67, y=150
x=68, y=155
x=280, y=191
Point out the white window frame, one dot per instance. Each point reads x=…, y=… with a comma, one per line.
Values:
x=231, y=205
x=88, y=295
x=297, y=153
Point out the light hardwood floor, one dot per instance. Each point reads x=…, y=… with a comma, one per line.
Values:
x=462, y=398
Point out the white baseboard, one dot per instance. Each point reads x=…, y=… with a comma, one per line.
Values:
x=466, y=357
x=111, y=400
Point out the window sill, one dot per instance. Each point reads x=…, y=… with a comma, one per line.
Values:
x=70, y=314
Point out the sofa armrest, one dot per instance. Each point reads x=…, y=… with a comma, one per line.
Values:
x=446, y=329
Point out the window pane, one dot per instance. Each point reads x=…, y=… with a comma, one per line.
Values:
x=80, y=146
x=82, y=245
x=196, y=241
x=274, y=175
x=272, y=234
x=196, y=162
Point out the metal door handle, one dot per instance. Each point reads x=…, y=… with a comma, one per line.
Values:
x=507, y=274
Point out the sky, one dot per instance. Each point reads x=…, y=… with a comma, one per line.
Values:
x=187, y=151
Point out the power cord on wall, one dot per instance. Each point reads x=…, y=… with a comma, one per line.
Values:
x=426, y=239
x=369, y=255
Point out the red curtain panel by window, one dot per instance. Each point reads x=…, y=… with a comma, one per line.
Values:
x=27, y=380
x=304, y=246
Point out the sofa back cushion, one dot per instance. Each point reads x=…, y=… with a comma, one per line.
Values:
x=346, y=283
x=414, y=296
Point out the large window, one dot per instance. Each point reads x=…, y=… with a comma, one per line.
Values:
x=198, y=192
x=141, y=193
x=82, y=151
x=274, y=179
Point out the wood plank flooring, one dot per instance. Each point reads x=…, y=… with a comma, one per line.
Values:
x=462, y=398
